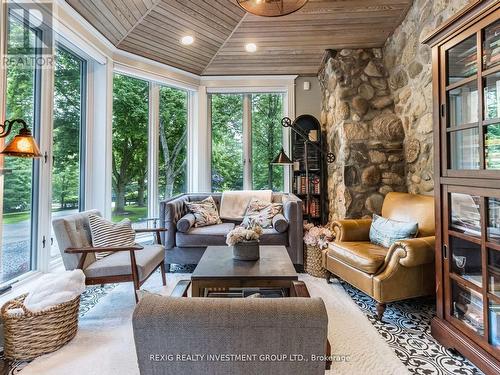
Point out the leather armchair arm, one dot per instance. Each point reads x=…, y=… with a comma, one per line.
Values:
x=413, y=252
x=352, y=230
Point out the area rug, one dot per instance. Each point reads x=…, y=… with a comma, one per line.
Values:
x=104, y=344
x=406, y=328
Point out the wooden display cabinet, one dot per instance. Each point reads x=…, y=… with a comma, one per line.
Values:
x=466, y=91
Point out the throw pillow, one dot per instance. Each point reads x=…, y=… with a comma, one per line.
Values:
x=205, y=212
x=280, y=224
x=107, y=234
x=185, y=223
x=385, y=232
x=261, y=213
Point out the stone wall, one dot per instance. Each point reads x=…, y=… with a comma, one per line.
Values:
x=363, y=132
x=408, y=62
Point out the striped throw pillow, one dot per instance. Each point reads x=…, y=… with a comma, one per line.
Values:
x=107, y=234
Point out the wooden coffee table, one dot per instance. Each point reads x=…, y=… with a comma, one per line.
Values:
x=218, y=269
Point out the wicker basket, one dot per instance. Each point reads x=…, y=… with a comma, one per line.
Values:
x=313, y=262
x=30, y=335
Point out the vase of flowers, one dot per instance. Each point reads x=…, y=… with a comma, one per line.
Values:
x=245, y=242
x=316, y=239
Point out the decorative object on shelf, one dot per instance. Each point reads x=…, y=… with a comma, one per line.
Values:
x=316, y=239
x=309, y=169
x=245, y=242
x=22, y=145
x=271, y=8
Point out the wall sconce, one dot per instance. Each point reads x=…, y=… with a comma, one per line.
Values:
x=22, y=145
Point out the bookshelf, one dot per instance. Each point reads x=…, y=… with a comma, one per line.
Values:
x=309, y=170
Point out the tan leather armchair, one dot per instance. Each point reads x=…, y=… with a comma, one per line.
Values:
x=405, y=270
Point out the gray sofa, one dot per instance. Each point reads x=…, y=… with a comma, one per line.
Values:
x=165, y=328
x=187, y=248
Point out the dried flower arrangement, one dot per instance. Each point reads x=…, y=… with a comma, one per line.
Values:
x=242, y=234
x=317, y=236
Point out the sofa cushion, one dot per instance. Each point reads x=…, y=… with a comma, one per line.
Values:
x=363, y=256
x=118, y=263
x=272, y=237
x=211, y=235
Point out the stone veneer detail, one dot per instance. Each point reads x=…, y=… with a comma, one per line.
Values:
x=363, y=132
x=408, y=62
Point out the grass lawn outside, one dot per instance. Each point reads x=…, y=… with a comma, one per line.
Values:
x=133, y=213
x=16, y=217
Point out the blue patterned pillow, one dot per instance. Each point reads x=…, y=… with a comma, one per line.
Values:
x=385, y=232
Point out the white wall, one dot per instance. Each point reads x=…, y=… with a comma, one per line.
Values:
x=308, y=102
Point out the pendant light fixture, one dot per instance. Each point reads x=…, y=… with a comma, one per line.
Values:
x=271, y=8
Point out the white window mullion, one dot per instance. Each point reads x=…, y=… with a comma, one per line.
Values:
x=154, y=129
x=45, y=166
x=247, y=142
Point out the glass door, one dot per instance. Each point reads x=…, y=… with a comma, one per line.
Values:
x=68, y=136
x=18, y=176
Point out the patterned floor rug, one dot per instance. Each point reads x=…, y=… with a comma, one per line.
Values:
x=407, y=330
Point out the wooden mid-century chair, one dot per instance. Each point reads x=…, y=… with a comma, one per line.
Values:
x=131, y=263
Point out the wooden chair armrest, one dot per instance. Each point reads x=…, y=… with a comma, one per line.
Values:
x=86, y=250
x=299, y=289
x=150, y=230
x=181, y=289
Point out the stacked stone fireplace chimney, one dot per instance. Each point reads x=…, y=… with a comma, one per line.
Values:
x=362, y=130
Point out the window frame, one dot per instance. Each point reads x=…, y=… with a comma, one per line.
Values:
x=247, y=109
x=83, y=134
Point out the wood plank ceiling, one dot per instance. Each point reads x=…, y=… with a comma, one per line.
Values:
x=293, y=44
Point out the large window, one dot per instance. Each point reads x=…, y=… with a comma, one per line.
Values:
x=172, y=169
x=68, y=135
x=227, y=142
x=246, y=136
x=130, y=148
x=18, y=187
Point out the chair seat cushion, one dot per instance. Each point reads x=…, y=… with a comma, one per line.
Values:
x=363, y=256
x=211, y=235
x=118, y=263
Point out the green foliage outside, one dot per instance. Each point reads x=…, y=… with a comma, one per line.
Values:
x=66, y=133
x=130, y=141
x=172, y=174
x=227, y=141
x=20, y=92
x=130, y=145
x=267, y=136
x=493, y=131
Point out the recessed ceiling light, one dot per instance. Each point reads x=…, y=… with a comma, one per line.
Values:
x=187, y=40
x=251, y=47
